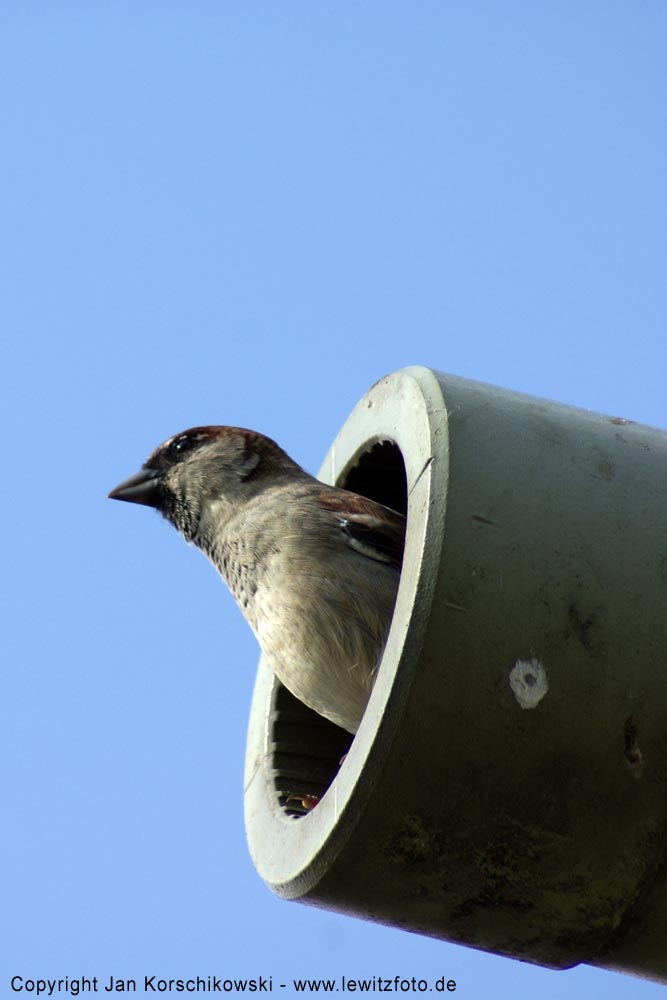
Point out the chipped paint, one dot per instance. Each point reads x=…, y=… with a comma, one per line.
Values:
x=529, y=682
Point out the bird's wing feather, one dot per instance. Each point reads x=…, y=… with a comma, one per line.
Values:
x=374, y=531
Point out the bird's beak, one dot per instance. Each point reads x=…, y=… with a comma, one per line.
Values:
x=142, y=487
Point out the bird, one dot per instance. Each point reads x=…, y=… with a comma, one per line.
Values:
x=313, y=568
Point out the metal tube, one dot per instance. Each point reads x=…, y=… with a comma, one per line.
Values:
x=507, y=788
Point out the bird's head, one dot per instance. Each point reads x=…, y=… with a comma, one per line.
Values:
x=205, y=471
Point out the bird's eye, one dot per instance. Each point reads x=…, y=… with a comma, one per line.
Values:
x=183, y=443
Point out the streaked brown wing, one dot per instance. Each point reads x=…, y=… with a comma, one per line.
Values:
x=375, y=531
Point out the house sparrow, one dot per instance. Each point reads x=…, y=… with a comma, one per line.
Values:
x=313, y=568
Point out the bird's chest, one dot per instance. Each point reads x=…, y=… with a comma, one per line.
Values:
x=237, y=565
x=246, y=559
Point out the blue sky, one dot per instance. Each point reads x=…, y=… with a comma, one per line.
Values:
x=247, y=213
